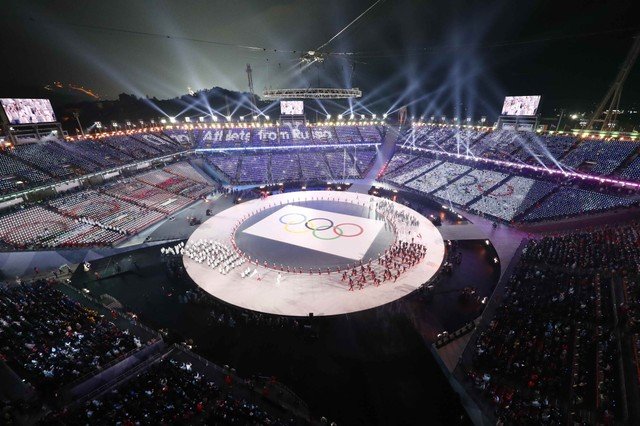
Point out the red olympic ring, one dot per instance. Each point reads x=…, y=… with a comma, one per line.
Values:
x=342, y=234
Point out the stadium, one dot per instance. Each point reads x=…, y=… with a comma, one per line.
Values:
x=399, y=229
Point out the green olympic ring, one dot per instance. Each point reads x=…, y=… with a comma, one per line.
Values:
x=323, y=238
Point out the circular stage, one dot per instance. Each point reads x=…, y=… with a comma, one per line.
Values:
x=291, y=252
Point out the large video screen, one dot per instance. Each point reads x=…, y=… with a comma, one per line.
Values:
x=28, y=111
x=292, y=108
x=520, y=105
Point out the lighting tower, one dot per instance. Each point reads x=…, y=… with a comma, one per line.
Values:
x=615, y=91
x=402, y=116
x=250, y=78
x=76, y=114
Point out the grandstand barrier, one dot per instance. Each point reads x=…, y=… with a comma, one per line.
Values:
x=286, y=399
x=450, y=337
x=111, y=372
x=67, y=186
x=495, y=301
x=10, y=203
x=92, y=381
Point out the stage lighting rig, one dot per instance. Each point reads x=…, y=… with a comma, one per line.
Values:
x=313, y=56
x=311, y=93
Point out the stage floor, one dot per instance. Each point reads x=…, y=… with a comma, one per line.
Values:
x=365, y=234
x=311, y=230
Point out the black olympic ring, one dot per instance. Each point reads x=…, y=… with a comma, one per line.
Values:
x=319, y=228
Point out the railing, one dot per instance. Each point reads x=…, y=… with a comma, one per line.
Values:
x=450, y=337
x=78, y=381
x=298, y=402
x=117, y=380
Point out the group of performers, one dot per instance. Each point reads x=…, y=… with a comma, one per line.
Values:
x=214, y=254
x=388, y=210
x=178, y=249
x=395, y=261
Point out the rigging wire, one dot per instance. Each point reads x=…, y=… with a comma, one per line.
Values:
x=361, y=54
x=349, y=24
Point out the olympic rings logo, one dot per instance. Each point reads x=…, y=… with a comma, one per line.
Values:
x=320, y=227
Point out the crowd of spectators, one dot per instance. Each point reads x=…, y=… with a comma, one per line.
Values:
x=50, y=161
x=106, y=215
x=551, y=354
x=470, y=186
x=106, y=212
x=291, y=165
x=544, y=150
x=52, y=340
x=515, y=194
x=169, y=392
x=38, y=227
x=403, y=174
x=437, y=177
x=550, y=150
x=568, y=202
x=512, y=198
x=599, y=157
x=16, y=175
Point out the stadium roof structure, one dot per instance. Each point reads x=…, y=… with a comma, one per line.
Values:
x=311, y=93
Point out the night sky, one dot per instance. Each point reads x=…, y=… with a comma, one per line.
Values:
x=475, y=54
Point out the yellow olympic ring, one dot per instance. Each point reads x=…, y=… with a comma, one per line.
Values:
x=286, y=228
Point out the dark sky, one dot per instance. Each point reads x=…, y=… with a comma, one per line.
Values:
x=578, y=49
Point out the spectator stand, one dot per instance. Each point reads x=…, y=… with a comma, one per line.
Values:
x=180, y=385
x=145, y=195
x=224, y=165
x=553, y=343
x=513, y=198
x=68, y=354
x=153, y=343
x=599, y=157
x=437, y=177
x=186, y=170
x=36, y=227
x=268, y=388
x=55, y=162
x=106, y=212
x=372, y=133
x=569, y=202
x=395, y=163
x=364, y=160
x=544, y=149
x=159, y=142
x=16, y=174
x=285, y=167
x=632, y=170
x=176, y=184
x=410, y=170
x=324, y=135
x=183, y=137
x=471, y=187
x=459, y=373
